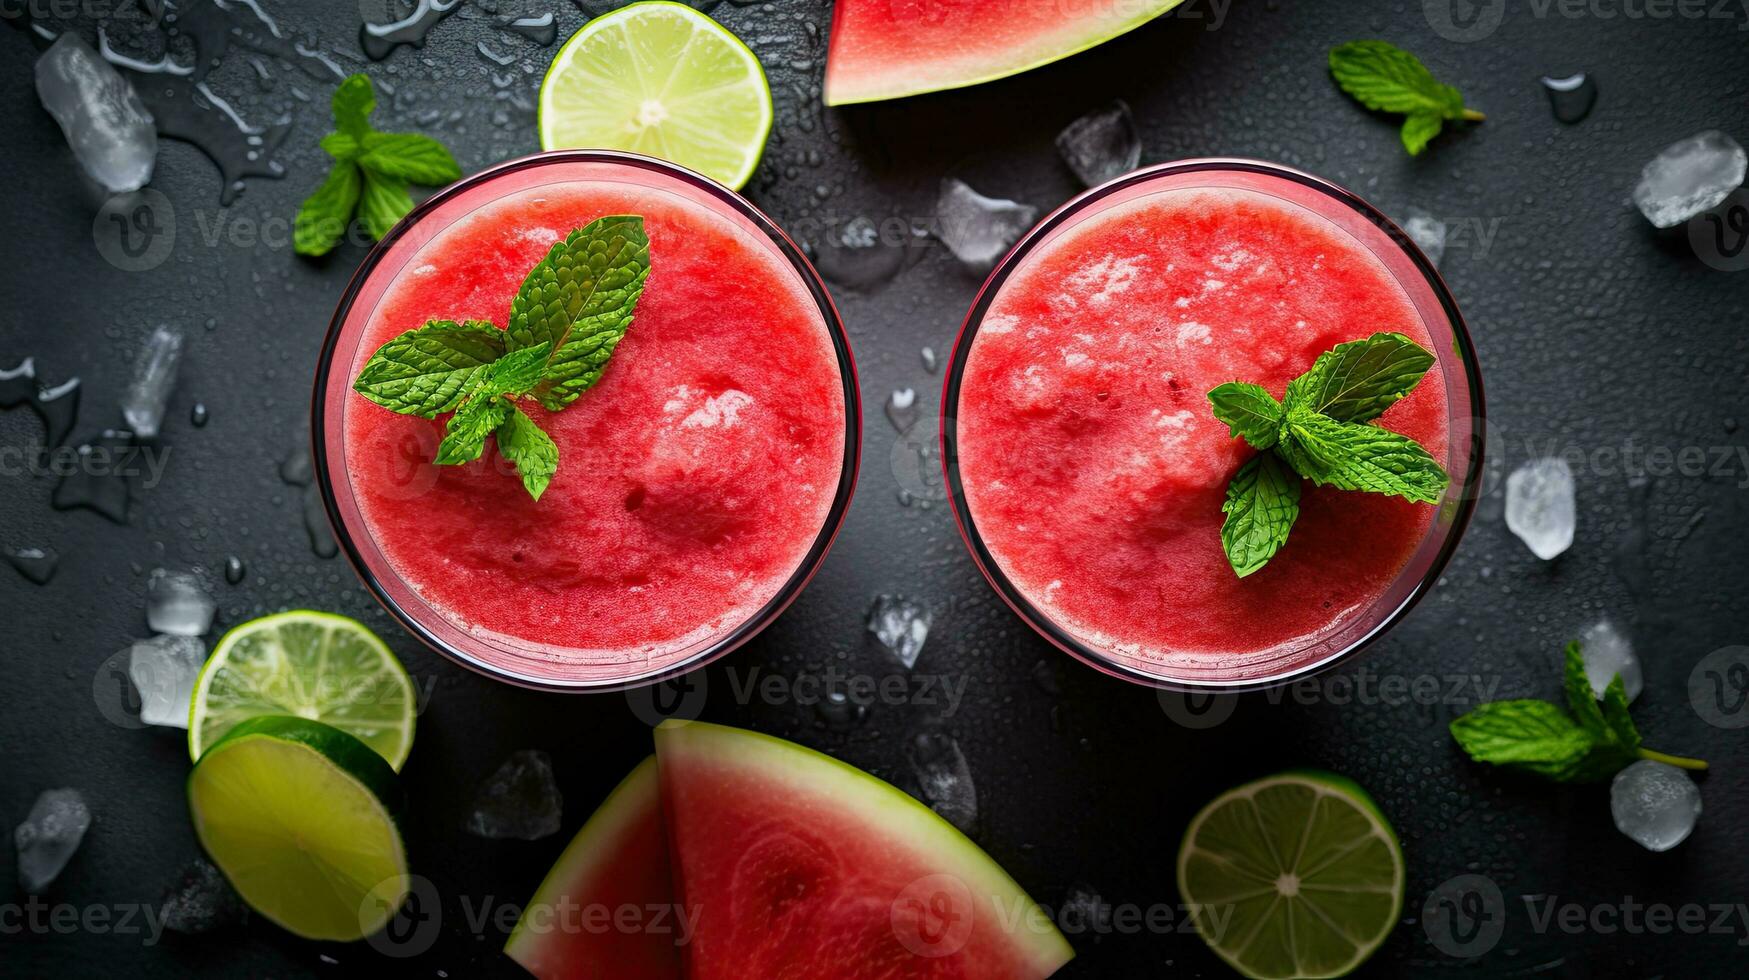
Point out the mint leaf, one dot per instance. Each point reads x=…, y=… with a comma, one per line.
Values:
x=580, y=299
x=428, y=371
x=1263, y=501
x=1356, y=456
x=353, y=103
x=533, y=451
x=321, y=220
x=1529, y=734
x=410, y=157
x=385, y=202
x=1386, y=78
x=1249, y=411
x=464, y=436
x=518, y=371
x=1357, y=381
x=342, y=146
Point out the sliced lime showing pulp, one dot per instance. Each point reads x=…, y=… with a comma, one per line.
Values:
x=300, y=816
x=664, y=80
x=310, y=665
x=1294, y=875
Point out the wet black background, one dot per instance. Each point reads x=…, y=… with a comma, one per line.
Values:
x=1594, y=333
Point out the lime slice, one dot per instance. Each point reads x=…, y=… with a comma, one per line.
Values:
x=311, y=665
x=1294, y=875
x=664, y=80
x=300, y=816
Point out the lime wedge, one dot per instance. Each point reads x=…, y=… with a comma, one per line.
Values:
x=310, y=665
x=664, y=80
x=1294, y=875
x=300, y=816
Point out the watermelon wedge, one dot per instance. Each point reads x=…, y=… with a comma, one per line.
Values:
x=799, y=866
x=617, y=865
x=886, y=49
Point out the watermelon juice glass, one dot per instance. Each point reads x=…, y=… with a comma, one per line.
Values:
x=1087, y=471
x=700, y=482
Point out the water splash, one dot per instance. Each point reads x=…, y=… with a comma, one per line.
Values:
x=57, y=406
x=379, y=40
x=540, y=29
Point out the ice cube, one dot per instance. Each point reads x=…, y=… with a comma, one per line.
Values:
x=944, y=781
x=36, y=564
x=1102, y=144
x=154, y=376
x=1539, y=506
x=1427, y=232
x=177, y=603
x=47, y=838
x=106, y=125
x=978, y=230
x=1608, y=653
x=521, y=800
x=201, y=900
x=1689, y=177
x=1084, y=911
x=901, y=624
x=164, y=669
x=1654, y=803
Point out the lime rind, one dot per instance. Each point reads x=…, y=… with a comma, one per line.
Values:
x=305, y=664
x=1345, y=858
x=710, y=112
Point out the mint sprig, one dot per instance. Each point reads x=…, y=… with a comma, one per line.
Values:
x=565, y=322
x=1589, y=742
x=1319, y=431
x=1384, y=77
x=370, y=174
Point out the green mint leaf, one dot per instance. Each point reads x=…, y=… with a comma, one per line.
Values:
x=410, y=157
x=1580, y=698
x=536, y=457
x=342, y=146
x=1357, y=456
x=321, y=221
x=1357, y=381
x=1384, y=77
x=1528, y=734
x=1615, y=716
x=383, y=202
x=580, y=299
x=1249, y=411
x=1263, y=501
x=518, y=371
x=464, y=436
x=428, y=371
x=353, y=103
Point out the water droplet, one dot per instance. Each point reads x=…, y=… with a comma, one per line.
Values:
x=234, y=569
x=1572, y=97
x=198, y=415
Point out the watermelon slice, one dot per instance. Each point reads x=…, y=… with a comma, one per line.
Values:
x=616, y=865
x=885, y=49
x=799, y=866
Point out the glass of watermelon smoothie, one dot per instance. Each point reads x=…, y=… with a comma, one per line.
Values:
x=700, y=481
x=1087, y=471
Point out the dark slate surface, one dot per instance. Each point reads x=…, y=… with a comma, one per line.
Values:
x=1595, y=334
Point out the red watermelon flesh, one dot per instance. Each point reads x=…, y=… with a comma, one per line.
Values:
x=616, y=866
x=799, y=867
x=885, y=49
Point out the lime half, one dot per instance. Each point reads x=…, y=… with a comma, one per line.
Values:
x=300, y=817
x=1294, y=875
x=664, y=80
x=306, y=664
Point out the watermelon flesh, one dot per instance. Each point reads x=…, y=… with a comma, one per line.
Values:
x=800, y=867
x=885, y=49
x=616, y=865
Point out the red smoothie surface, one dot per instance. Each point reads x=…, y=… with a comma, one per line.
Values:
x=693, y=478
x=1093, y=467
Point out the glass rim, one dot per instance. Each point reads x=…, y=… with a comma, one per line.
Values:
x=1045, y=625
x=732, y=639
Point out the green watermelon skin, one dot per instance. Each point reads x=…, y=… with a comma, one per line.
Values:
x=618, y=860
x=888, y=49
x=800, y=867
